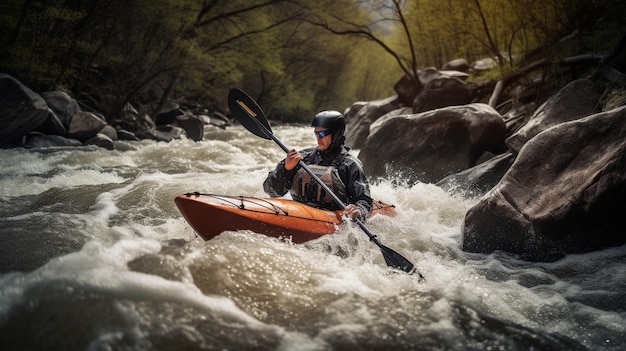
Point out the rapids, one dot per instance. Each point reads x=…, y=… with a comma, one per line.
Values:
x=95, y=256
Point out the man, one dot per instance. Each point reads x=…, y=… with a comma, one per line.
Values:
x=332, y=163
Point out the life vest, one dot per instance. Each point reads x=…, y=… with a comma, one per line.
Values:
x=306, y=190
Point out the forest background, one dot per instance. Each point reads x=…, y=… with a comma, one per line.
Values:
x=295, y=57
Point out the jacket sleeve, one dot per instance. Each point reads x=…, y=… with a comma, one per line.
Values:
x=359, y=190
x=278, y=181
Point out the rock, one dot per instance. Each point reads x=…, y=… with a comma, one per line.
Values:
x=123, y=134
x=565, y=193
x=441, y=92
x=102, y=141
x=483, y=65
x=163, y=133
x=457, y=65
x=194, y=128
x=406, y=89
x=576, y=100
x=403, y=111
x=39, y=140
x=169, y=133
x=478, y=180
x=351, y=114
x=21, y=111
x=63, y=106
x=110, y=132
x=85, y=125
x=128, y=119
x=168, y=114
x=52, y=126
x=145, y=122
x=205, y=119
x=219, y=119
x=357, y=129
x=432, y=145
x=455, y=74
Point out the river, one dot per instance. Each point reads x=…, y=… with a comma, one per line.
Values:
x=94, y=255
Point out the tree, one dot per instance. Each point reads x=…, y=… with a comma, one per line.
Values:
x=333, y=17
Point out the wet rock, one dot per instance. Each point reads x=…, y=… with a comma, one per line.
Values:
x=478, y=180
x=576, y=100
x=565, y=193
x=168, y=114
x=21, y=111
x=39, y=140
x=52, y=126
x=85, y=125
x=432, y=145
x=218, y=119
x=102, y=141
x=63, y=106
x=110, y=132
x=123, y=134
x=360, y=117
x=194, y=128
x=163, y=133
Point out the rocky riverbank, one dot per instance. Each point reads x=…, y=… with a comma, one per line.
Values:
x=55, y=119
x=551, y=176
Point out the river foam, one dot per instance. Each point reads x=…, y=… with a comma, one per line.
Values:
x=95, y=255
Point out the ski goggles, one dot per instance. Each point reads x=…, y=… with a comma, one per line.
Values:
x=322, y=133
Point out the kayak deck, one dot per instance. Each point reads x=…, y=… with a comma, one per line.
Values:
x=211, y=214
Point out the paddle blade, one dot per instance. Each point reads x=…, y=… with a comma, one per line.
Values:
x=248, y=113
x=395, y=260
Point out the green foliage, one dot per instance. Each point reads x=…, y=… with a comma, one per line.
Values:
x=295, y=57
x=36, y=41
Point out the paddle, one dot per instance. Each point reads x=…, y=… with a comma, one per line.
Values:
x=250, y=115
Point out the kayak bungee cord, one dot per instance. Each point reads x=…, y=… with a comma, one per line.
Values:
x=230, y=200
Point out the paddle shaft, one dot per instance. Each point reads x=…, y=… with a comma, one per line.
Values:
x=320, y=182
x=247, y=110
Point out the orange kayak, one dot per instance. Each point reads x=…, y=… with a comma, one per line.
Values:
x=210, y=215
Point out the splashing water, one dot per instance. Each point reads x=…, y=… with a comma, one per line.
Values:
x=94, y=255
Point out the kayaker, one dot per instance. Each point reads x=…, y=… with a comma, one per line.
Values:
x=332, y=163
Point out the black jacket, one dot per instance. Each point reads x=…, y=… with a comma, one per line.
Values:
x=278, y=182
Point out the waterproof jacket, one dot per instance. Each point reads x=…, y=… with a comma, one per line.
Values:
x=279, y=181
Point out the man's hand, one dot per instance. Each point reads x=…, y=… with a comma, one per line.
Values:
x=353, y=212
x=292, y=159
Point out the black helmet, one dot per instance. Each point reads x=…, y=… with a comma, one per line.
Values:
x=331, y=120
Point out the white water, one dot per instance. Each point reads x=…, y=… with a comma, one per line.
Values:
x=94, y=255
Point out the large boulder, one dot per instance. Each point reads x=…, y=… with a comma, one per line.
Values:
x=168, y=114
x=576, y=100
x=85, y=125
x=362, y=115
x=63, y=106
x=21, y=111
x=407, y=88
x=403, y=111
x=478, y=180
x=432, y=145
x=194, y=128
x=441, y=92
x=565, y=193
